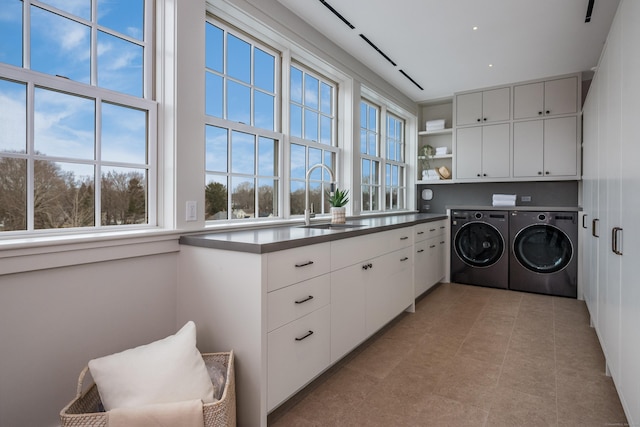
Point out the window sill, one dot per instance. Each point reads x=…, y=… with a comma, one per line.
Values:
x=44, y=252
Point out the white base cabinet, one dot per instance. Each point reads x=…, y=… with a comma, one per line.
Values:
x=430, y=255
x=289, y=315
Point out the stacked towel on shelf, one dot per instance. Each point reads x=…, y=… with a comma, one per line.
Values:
x=504, y=200
x=435, y=125
x=441, y=151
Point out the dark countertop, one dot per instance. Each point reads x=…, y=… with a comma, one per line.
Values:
x=277, y=238
x=515, y=208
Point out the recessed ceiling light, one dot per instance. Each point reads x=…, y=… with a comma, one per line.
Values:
x=490, y=65
x=475, y=28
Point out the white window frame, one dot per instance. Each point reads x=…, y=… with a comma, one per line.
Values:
x=33, y=79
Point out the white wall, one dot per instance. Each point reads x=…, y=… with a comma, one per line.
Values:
x=52, y=322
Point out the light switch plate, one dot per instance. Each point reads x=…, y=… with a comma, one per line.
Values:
x=192, y=211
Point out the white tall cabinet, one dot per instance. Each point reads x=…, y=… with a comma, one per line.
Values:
x=612, y=205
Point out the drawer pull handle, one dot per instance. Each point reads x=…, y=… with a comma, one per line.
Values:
x=307, y=335
x=304, y=264
x=404, y=259
x=442, y=227
x=420, y=250
x=583, y=218
x=432, y=246
x=594, y=227
x=442, y=242
x=431, y=230
x=310, y=297
x=420, y=232
x=404, y=237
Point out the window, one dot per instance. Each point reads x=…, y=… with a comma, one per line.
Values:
x=370, y=157
x=312, y=107
x=382, y=166
x=242, y=143
x=77, y=146
x=395, y=187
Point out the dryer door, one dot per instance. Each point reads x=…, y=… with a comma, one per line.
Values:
x=479, y=244
x=542, y=248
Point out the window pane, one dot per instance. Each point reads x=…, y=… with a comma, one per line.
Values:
x=263, y=114
x=242, y=198
x=264, y=73
x=375, y=192
x=124, y=16
x=242, y=153
x=296, y=121
x=326, y=129
x=326, y=98
x=238, y=102
x=310, y=125
x=363, y=141
x=238, y=59
x=296, y=85
x=215, y=197
x=124, y=134
x=267, y=151
x=13, y=194
x=372, y=148
x=387, y=175
x=213, y=95
x=81, y=8
x=311, y=92
x=120, y=65
x=124, y=196
x=363, y=115
x=315, y=157
x=214, y=48
x=296, y=198
x=394, y=176
x=216, y=149
x=366, y=198
x=267, y=198
x=373, y=119
x=63, y=195
x=375, y=173
x=63, y=124
x=60, y=46
x=315, y=197
x=13, y=116
x=298, y=161
x=11, y=33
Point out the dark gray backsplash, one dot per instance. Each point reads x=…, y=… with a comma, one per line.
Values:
x=548, y=193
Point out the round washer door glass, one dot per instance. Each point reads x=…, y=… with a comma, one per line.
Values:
x=542, y=248
x=479, y=244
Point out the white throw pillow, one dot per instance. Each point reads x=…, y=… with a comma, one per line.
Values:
x=168, y=370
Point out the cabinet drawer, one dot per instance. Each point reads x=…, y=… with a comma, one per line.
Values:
x=295, y=301
x=428, y=230
x=350, y=251
x=297, y=264
x=297, y=352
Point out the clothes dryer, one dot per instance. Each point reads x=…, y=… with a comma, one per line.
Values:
x=543, y=252
x=479, y=248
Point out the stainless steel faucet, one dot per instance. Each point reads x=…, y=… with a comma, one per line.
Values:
x=307, y=212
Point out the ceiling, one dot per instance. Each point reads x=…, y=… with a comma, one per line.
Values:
x=434, y=43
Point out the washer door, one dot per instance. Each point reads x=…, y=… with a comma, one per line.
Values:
x=542, y=248
x=479, y=244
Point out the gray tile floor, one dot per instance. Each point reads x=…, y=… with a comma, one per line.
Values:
x=468, y=356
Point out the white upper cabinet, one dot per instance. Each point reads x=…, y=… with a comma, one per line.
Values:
x=482, y=152
x=549, y=98
x=545, y=148
x=481, y=107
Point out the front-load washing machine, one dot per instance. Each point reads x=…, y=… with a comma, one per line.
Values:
x=479, y=248
x=543, y=257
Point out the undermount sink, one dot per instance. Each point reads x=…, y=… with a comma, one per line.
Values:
x=332, y=226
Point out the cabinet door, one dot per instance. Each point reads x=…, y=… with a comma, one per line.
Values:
x=528, y=100
x=468, y=153
x=561, y=96
x=469, y=109
x=496, y=105
x=528, y=148
x=348, y=300
x=495, y=151
x=421, y=267
x=560, y=147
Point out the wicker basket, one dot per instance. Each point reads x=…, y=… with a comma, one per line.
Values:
x=85, y=410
